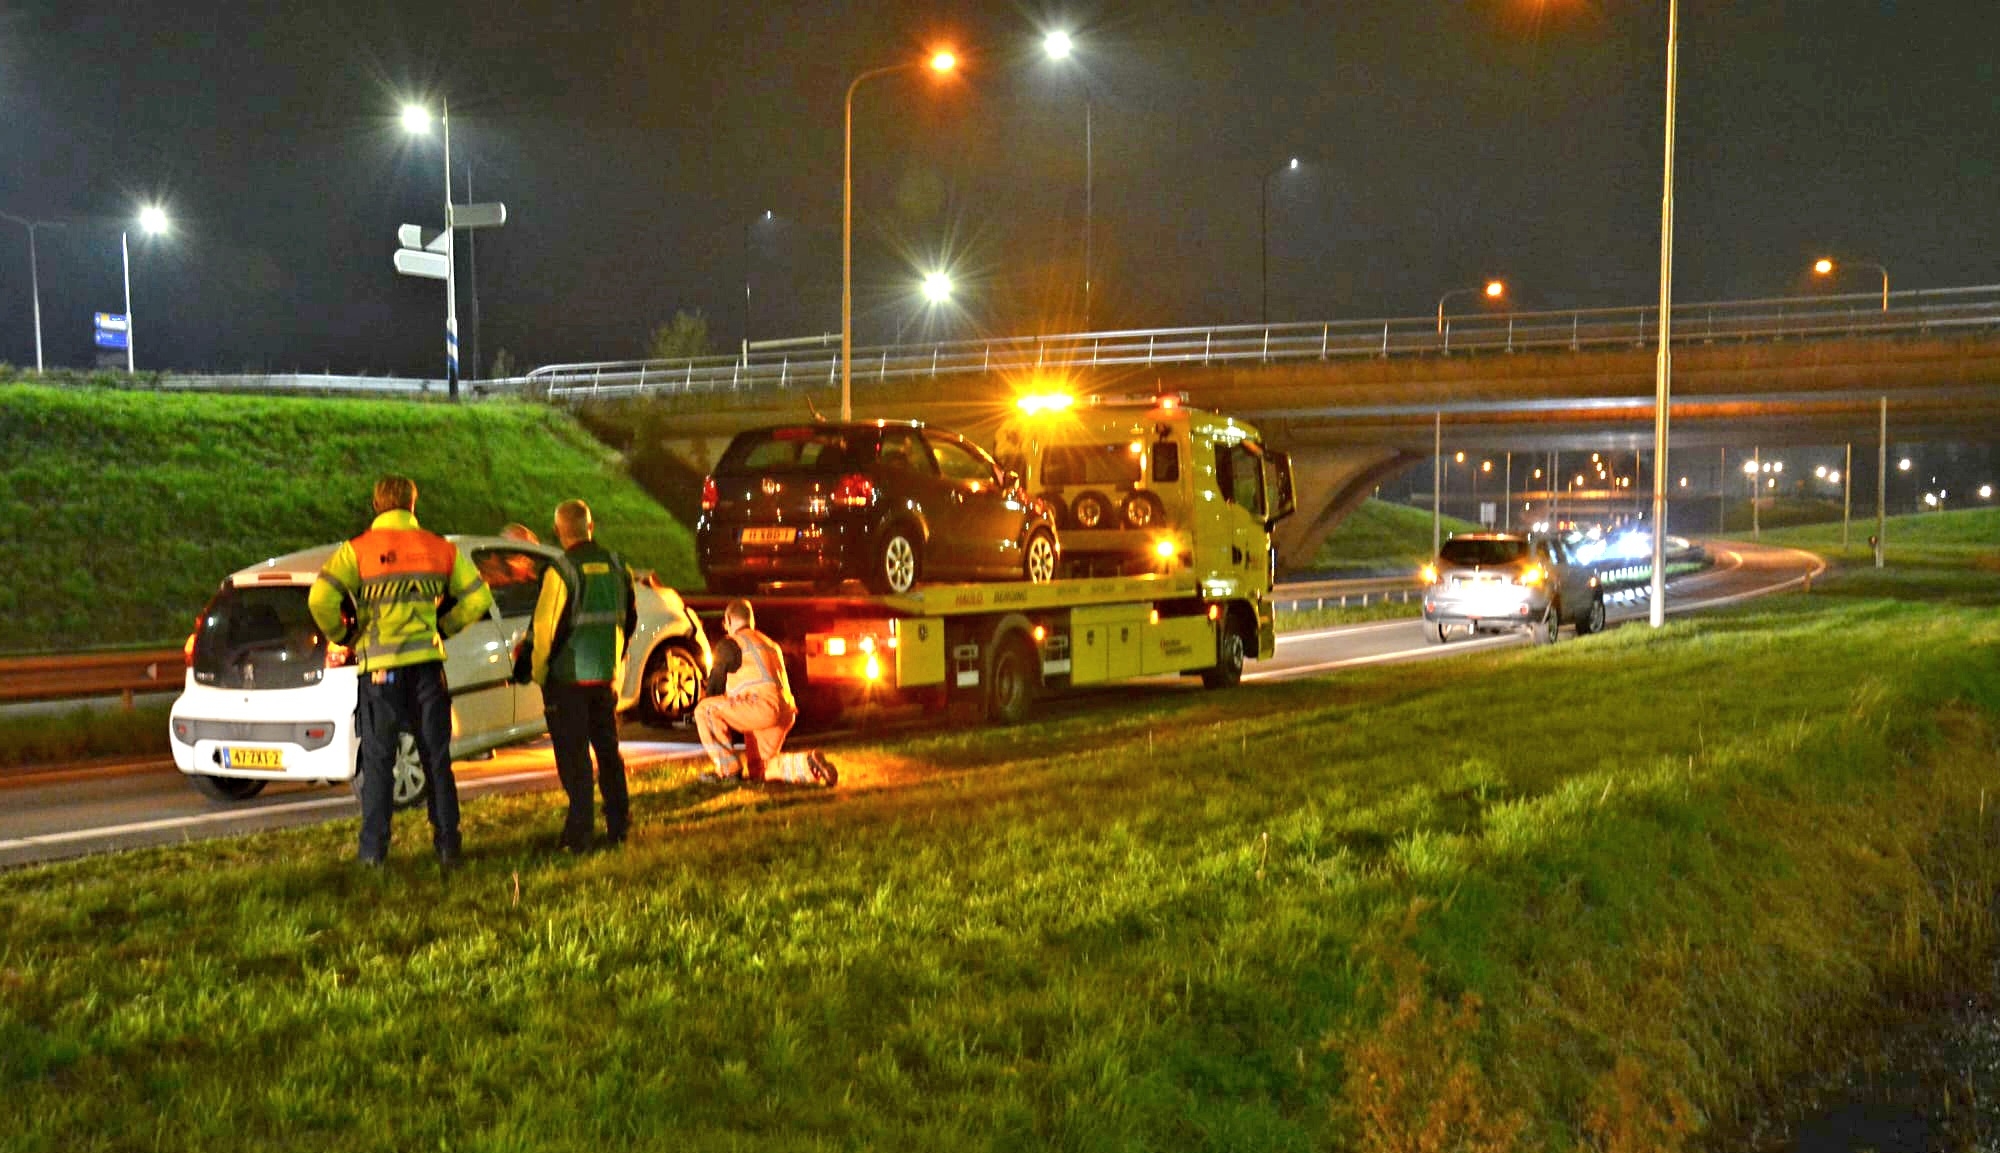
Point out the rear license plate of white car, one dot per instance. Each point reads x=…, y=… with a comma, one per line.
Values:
x=784, y=534
x=233, y=758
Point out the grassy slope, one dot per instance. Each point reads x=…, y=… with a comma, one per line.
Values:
x=1293, y=916
x=120, y=511
x=1381, y=535
x=1932, y=538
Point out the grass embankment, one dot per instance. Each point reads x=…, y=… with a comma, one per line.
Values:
x=1382, y=538
x=77, y=734
x=120, y=511
x=1320, y=914
x=1938, y=541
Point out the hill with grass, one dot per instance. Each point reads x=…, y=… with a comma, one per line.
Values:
x=121, y=510
x=1380, y=536
x=1968, y=534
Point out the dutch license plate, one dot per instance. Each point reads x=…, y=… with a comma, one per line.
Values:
x=253, y=758
x=780, y=535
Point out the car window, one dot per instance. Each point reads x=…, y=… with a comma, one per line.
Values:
x=805, y=449
x=1239, y=474
x=1473, y=551
x=258, y=637
x=903, y=449
x=958, y=463
x=514, y=575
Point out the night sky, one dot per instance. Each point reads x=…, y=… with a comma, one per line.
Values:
x=637, y=147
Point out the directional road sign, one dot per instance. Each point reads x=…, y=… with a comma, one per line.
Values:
x=417, y=236
x=113, y=330
x=414, y=262
x=491, y=215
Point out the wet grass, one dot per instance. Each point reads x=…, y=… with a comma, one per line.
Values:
x=1601, y=895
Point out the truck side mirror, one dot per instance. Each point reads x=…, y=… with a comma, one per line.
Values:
x=1287, y=501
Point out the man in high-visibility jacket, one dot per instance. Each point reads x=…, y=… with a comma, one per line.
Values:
x=397, y=575
x=755, y=700
x=584, y=620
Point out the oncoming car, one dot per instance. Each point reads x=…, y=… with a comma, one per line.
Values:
x=1493, y=582
x=266, y=698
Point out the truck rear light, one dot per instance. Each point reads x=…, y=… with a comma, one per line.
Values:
x=854, y=491
x=709, y=497
x=874, y=669
x=836, y=646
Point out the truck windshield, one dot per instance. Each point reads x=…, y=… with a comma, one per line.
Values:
x=786, y=450
x=1483, y=552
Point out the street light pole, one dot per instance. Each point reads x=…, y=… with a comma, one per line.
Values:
x=34, y=273
x=125, y=258
x=1493, y=290
x=1264, y=238
x=1664, y=373
x=1882, y=482
x=1825, y=266
x=450, y=259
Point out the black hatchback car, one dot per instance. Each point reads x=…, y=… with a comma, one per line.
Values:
x=889, y=503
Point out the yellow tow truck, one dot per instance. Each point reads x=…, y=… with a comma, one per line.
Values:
x=1184, y=588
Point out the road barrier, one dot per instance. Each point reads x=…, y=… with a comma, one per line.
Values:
x=77, y=675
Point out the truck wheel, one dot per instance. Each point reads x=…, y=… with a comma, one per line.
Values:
x=1229, y=653
x=671, y=686
x=412, y=785
x=1011, y=683
x=1592, y=621
x=898, y=560
x=1038, y=563
x=227, y=788
x=1090, y=510
x=1143, y=510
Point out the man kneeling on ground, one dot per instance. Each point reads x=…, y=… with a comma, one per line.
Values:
x=748, y=693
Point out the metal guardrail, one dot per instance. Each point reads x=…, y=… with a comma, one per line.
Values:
x=1919, y=312
x=73, y=676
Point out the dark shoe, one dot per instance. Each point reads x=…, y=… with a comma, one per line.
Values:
x=448, y=859
x=371, y=864
x=571, y=848
x=822, y=769
x=613, y=841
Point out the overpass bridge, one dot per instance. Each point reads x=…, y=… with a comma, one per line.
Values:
x=1358, y=401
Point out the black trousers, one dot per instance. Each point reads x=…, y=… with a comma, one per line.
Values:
x=583, y=718
x=416, y=698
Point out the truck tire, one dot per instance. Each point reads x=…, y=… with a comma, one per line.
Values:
x=1012, y=681
x=1143, y=510
x=671, y=686
x=1090, y=510
x=898, y=562
x=227, y=788
x=1229, y=656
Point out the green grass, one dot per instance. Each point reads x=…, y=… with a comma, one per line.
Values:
x=78, y=733
x=120, y=511
x=1969, y=535
x=1330, y=913
x=1380, y=536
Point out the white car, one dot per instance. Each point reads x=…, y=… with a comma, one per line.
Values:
x=265, y=697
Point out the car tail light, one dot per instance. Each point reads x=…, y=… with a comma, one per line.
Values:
x=709, y=497
x=183, y=731
x=854, y=491
x=187, y=650
x=1429, y=575
x=316, y=733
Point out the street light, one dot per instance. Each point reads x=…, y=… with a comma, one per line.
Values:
x=941, y=62
x=1824, y=266
x=1492, y=290
x=767, y=217
x=1663, y=363
x=153, y=222
x=34, y=273
x=1058, y=46
x=1264, y=237
x=937, y=287
x=417, y=122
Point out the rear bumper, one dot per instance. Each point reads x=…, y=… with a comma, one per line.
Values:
x=1514, y=608
x=225, y=725
x=821, y=551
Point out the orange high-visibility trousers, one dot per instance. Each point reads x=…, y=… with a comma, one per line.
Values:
x=761, y=713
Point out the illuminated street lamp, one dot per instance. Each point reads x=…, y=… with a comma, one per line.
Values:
x=1824, y=266
x=937, y=287
x=1985, y=492
x=153, y=222
x=1903, y=465
x=941, y=62
x=1492, y=290
x=417, y=122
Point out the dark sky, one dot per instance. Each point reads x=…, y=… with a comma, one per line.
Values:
x=1443, y=141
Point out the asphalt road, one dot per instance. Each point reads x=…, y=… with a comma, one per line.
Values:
x=48, y=816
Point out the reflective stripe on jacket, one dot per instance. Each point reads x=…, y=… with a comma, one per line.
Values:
x=396, y=573
x=763, y=663
x=581, y=638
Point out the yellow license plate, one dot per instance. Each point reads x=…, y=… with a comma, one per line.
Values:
x=253, y=758
x=783, y=535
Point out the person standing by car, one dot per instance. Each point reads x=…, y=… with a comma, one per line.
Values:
x=397, y=575
x=583, y=621
x=748, y=694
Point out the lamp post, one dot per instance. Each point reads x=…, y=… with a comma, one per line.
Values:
x=1264, y=238
x=1059, y=46
x=34, y=273
x=940, y=62
x=1663, y=382
x=153, y=222
x=748, y=226
x=417, y=122
x=1825, y=266
x=1492, y=290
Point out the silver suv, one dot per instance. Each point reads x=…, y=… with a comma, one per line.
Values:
x=1495, y=582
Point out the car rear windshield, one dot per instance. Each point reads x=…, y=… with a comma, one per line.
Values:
x=1483, y=551
x=805, y=450
x=258, y=637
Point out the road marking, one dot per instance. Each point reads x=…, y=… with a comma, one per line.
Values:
x=1379, y=658
x=1348, y=630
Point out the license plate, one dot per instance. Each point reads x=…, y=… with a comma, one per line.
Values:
x=780, y=535
x=253, y=758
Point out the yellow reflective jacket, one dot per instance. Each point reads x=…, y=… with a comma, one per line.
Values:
x=397, y=574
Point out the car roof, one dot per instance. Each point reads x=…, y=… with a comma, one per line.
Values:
x=305, y=564
x=1491, y=536
x=833, y=426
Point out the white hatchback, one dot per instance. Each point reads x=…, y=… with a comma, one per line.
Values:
x=267, y=699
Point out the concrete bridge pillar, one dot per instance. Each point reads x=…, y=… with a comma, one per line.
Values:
x=1328, y=483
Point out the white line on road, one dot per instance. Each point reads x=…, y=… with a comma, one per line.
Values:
x=1379, y=658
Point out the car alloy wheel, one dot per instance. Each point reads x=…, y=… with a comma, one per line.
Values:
x=1593, y=621
x=410, y=785
x=897, y=565
x=1040, y=562
x=672, y=685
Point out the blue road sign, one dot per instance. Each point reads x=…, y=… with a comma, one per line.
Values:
x=113, y=330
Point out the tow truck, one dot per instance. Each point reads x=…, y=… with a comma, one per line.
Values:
x=1188, y=593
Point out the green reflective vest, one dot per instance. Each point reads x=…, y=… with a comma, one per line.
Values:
x=599, y=602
